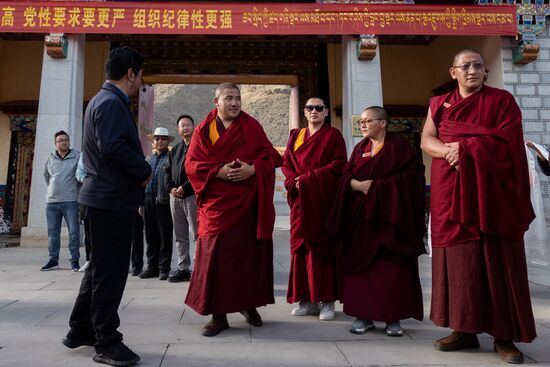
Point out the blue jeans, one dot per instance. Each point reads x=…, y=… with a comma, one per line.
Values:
x=54, y=213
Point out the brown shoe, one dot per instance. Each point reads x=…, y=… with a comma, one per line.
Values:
x=457, y=341
x=216, y=325
x=508, y=352
x=252, y=317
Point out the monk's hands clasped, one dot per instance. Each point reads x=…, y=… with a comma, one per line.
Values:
x=362, y=186
x=452, y=154
x=236, y=170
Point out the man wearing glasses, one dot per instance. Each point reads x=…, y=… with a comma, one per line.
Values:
x=313, y=162
x=480, y=210
x=61, y=200
x=156, y=210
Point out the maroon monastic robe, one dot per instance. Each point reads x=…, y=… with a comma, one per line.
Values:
x=234, y=251
x=479, y=216
x=316, y=262
x=382, y=232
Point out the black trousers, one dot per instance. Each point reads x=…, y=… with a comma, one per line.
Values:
x=95, y=311
x=137, y=243
x=158, y=233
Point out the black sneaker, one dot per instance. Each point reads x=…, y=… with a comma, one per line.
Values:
x=164, y=275
x=180, y=276
x=75, y=266
x=76, y=339
x=117, y=355
x=149, y=274
x=50, y=265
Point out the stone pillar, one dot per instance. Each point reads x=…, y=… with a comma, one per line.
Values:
x=59, y=108
x=361, y=84
x=294, y=108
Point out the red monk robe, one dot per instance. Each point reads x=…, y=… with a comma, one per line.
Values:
x=382, y=231
x=234, y=251
x=479, y=216
x=316, y=261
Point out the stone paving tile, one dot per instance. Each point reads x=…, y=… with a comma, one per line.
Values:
x=258, y=354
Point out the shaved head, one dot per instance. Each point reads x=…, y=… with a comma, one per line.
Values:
x=467, y=51
x=224, y=86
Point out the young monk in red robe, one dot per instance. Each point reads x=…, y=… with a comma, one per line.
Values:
x=313, y=162
x=480, y=208
x=380, y=212
x=231, y=166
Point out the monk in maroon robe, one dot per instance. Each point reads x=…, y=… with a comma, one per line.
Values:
x=231, y=166
x=380, y=211
x=480, y=210
x=313, y=162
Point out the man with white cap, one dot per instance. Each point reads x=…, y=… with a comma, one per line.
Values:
x=156, y=213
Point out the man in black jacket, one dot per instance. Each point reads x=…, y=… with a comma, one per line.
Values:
x=156, y=211
x=111, y=193
x=182, y=199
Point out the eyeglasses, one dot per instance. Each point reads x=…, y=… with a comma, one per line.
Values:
x=466, y=67
x=161, y=138
x=368, y=121
x=318, y=108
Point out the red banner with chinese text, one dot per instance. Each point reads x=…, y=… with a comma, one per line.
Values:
x=254, y=18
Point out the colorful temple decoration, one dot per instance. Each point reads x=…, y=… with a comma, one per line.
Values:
x=531, y=19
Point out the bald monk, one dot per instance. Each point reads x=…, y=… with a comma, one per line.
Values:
x=313, y=162
x=231, y=166
x=480, y=209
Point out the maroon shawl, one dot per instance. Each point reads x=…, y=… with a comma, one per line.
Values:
x=391, y=214
x=319, y=162
x=490, y=192
x=221, y=203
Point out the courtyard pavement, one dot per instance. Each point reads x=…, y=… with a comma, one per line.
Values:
x=35, y=307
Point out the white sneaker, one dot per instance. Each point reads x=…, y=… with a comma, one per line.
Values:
x=303, y=309
x=84, y=267
x=327, y=311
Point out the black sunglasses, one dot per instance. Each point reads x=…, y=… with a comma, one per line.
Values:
x=318, y=108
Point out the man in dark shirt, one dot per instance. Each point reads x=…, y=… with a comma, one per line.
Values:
x=182, y=199
x=111, y=193
x=156, y=213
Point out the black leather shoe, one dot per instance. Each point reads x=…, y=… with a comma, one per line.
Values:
x=117, y=355
x=180, y=276
x=457, y=341
x=146, y=274
x=216, y=325
x=252, y=317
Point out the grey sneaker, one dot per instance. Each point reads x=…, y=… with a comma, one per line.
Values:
x=394, y=329
x=361, y=326
x=305, y=308
x=327, y=311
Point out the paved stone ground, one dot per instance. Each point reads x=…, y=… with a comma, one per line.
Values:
x=35, y=306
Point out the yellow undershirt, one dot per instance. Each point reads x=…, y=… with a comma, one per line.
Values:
x=300, y=139
x=213, y=132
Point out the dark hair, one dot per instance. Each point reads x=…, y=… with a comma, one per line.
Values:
x=120, y=60
x=382, y=113
x=185, y=117
x=60, y=132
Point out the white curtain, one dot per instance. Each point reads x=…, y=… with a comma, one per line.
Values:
x=537, y=247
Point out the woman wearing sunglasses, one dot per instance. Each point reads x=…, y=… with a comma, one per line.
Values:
x=313, y=162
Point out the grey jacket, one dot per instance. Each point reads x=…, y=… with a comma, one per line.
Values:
x=60, y=177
